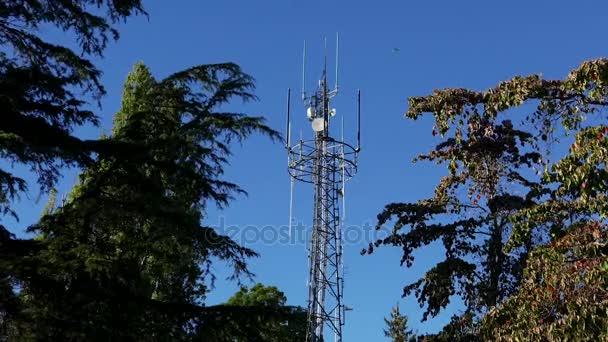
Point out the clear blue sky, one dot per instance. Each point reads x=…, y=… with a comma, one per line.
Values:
x=440, y=44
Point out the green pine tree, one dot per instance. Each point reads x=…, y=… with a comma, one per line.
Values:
x=127, y=255
x=397, y=328
x=40, y=94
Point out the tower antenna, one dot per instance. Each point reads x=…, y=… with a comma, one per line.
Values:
x=337, y=59
x=358, y=120
x=326, y=163
x=288, y=129
x=304, y=73
x=324, y=57
x=291, y=189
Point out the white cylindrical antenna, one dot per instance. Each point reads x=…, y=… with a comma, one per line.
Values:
x=310, y=114
x=304, y=73
x=337, y=60
x=288, y=129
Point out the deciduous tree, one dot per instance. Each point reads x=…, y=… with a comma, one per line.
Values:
x=289, y=330
x=502, y=198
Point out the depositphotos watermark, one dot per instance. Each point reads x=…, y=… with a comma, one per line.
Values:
x=296, y=234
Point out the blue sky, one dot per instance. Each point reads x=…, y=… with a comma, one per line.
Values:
x=390, y=50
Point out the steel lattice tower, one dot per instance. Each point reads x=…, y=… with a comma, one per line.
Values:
x=326, y=163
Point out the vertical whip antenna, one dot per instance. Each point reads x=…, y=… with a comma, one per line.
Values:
x=288, y=129
x=293, y=180
x=325, y=58
x=358, y=120
x=337, y=60
x=287, y=145
x=304, y=73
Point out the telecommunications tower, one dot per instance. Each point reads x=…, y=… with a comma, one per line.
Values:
x=326, y=162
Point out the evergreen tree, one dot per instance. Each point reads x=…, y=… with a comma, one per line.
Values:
x=40, y=83
x=397, y=329
x=126, y=257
